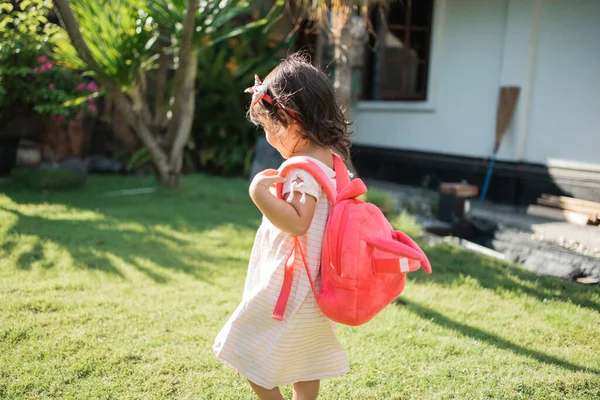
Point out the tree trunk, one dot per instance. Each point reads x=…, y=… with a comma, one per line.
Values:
x=136, y=109
x=342, y=83
x=186, y=116
x=180, y=126
x=186, y=58
x=160, y=102
x=320, y=49
x=147, y=136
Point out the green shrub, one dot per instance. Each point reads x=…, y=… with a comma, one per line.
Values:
x=408, y=224
x=30, y=78
x=48, y=177
x=384, y=201
x=223, y=141
x=388, y=205
x=24, y=33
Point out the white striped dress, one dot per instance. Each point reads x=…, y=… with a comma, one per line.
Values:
x=303, y=346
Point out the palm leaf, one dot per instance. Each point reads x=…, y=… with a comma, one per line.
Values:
x=119, y=35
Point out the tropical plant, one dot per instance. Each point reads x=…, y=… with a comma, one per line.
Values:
x=61, y=93
x=223, y=141
x=130, y=44
x=32, y=84
x=408, y=224
x=24, y=35
x=384, y=201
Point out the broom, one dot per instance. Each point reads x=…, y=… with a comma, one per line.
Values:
x=507, y=102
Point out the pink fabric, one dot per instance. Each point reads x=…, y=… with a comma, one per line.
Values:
x=364, y=260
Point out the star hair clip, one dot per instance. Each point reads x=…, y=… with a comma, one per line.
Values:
x=259, y=92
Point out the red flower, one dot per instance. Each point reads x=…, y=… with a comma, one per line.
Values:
x=80, y=87
x=92, y=86
x=42, y=59
x=52, y=86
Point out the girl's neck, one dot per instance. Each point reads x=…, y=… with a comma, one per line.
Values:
x=322, y=154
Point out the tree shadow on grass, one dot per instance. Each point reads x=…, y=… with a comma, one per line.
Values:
x=451, y=264
x=106, y=246
x=479, y=334
x=199, y=233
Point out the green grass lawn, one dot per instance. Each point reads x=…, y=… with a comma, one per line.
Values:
x=121, y=297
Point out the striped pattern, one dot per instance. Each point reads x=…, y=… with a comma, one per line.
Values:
x=303, y=346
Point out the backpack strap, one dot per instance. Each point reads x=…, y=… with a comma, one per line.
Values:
x=288, y=278
x=342, y=179
x=316, y=172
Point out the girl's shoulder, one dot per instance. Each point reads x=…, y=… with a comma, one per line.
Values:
x=303, y=181
x=299, y=159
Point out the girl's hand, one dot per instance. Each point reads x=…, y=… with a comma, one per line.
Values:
x=264, y=180
x=294, y=218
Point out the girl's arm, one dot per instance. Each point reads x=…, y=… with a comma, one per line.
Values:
x=293, y=218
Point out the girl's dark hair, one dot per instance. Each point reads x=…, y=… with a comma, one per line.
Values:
x=296, y=85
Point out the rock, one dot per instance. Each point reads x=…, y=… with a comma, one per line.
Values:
x=545, y=258
x=76, y=166
x=265, y=157
x=29, y=154
x=103, y=165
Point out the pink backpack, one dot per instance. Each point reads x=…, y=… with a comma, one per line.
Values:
x=364, y=260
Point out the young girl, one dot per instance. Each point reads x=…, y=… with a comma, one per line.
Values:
x=296, y=108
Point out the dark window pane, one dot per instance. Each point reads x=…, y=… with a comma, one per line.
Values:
x=395, y=40
x=421, y=88
x=401, y=61
x=421, y=12
x=418, y=44
x=397, y=14
x=390, y=79
x=410, y=75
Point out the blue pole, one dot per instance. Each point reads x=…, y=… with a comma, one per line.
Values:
x=487, y=178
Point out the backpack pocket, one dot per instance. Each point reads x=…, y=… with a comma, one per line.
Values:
x=392, y=256
x=384, y=262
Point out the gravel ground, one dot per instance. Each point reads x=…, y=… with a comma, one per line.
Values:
x=584, y=240
x=569, y=243
x=547, y=247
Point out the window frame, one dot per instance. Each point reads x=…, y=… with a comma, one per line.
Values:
x=425, y=101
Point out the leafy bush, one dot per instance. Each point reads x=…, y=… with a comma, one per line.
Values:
x=384, y=201
x=24, y=33
x=61, y=92
x=28, y=77
x=388, y=205
x=408, y=224
x=50, y=177
x=223, y=140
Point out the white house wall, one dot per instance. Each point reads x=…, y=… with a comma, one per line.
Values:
x=551, y=48
x=565, y=99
